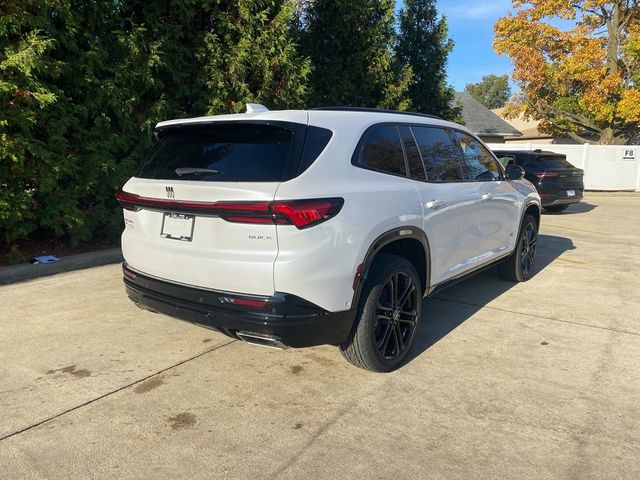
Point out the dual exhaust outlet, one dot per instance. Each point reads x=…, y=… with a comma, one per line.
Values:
x=261, y=340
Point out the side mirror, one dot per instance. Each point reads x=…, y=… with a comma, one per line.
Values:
x=515, y=172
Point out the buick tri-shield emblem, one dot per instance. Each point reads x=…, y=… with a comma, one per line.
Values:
x=170, y=192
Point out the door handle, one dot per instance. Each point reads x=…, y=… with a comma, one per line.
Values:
x=434, y=204
x=486, y=196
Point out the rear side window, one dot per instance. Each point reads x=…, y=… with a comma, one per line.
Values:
x=221, y=153
x=478, y=163
x=314, y=143
x=439, y=155
x=416, y=169
x=380, y=149
x=546, y=162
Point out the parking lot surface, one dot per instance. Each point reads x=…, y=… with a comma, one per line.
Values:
x=528, y=381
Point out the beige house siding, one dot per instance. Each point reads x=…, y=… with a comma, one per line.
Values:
x=530, y=133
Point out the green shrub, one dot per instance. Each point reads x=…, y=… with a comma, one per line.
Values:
x=82, y=83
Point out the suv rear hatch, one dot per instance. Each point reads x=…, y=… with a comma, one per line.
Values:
x=553, y=173
x=197, y=211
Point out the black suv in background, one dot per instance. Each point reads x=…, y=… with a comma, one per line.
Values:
x=559, y=183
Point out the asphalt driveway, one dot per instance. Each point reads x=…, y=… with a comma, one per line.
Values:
x=535, y=380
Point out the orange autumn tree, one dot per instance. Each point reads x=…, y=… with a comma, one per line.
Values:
x=582, y=82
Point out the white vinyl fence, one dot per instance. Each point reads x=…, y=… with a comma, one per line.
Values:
x=606, y=167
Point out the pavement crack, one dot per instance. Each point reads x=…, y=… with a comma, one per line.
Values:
x=309, y=443
x=119, y=389
x=540, y=317
x=339, y=414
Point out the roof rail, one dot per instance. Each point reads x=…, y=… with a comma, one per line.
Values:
x=374, y=110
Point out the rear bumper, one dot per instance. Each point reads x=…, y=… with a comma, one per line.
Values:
x=291, y=320
x=560, y=198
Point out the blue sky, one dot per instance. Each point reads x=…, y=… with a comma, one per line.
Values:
x=471, y=28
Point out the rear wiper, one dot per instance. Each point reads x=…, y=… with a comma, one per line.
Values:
x=196, y=171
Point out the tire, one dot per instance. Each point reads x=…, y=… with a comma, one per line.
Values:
x=519, y=266
x=384, y=331
x=556, y=208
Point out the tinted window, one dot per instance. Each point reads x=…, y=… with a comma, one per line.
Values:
x=550, y=162
x=478, y=163
x=416, y=169
x=220, y=153
x=380, y=149
x=314, y=143
x=438, y=154
x=505, y=159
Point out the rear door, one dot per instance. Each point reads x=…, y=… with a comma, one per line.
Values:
x=201, y=196
x=450, y=203
x=499, y=212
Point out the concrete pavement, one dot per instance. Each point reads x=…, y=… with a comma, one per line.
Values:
x=535, y=380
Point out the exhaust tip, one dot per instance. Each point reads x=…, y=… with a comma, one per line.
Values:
x=261, y=340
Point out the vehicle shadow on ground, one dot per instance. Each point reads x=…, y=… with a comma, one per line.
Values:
x=445, y=311
x=582, y=207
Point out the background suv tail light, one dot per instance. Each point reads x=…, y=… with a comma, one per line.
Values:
x=543, y=175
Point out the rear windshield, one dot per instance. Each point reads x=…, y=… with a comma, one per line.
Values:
x=546, y=162
x=221, y=153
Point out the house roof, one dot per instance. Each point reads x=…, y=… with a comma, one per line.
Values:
x=482, y=121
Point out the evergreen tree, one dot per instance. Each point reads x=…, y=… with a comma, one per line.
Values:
x=424, y=45
x=82, y=84
x=350, y=44
x=250, y=56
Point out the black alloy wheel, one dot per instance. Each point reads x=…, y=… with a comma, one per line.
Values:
x=519, y=266
x=388, y=316
x=528, y=245
x=396, y=311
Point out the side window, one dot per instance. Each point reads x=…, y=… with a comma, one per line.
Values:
x=438, y=154
x=380, y=149
x=505, y=159
x=416, y=169
x=314, y=143
x=479, y=164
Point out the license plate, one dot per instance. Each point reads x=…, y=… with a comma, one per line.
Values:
x=571, y=193
x=177, y=226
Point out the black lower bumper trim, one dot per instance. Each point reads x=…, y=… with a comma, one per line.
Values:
x=294, y=321
x=560, y=198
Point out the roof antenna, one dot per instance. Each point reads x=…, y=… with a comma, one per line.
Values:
x=256, y=107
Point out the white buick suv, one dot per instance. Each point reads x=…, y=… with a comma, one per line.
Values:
x=327, y=226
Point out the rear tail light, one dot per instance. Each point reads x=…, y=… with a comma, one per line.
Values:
x=128, y=201
x=543, y=175
x=301, y=213
x=305, y=213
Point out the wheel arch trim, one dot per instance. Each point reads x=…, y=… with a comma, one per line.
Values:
x=387, y=238
x=525, y=207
